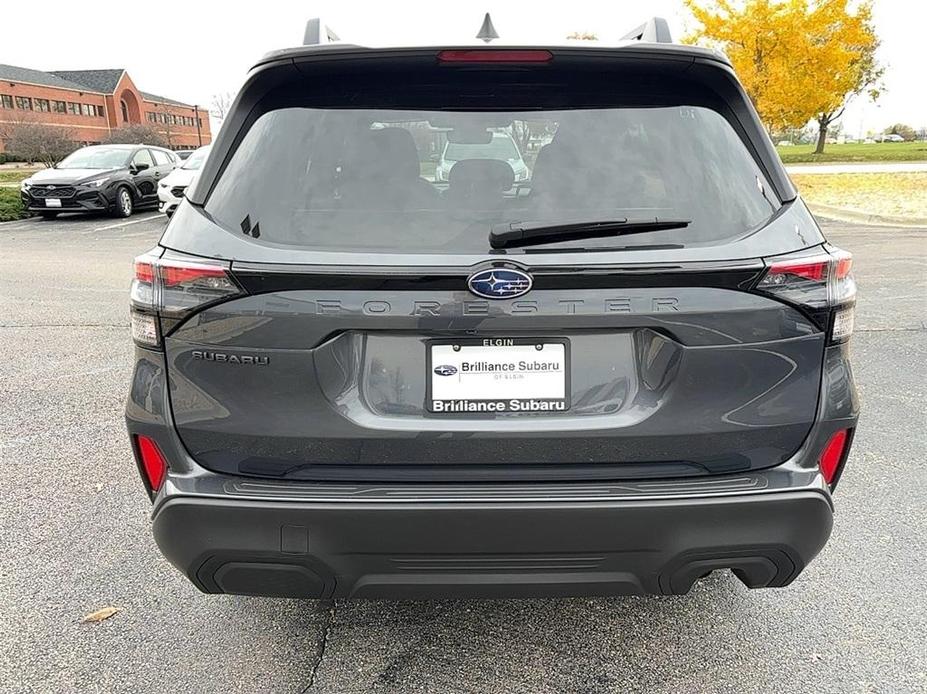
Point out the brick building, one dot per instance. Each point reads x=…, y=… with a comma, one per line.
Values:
x=93, y=102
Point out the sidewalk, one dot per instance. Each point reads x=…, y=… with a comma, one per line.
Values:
x=859, y=167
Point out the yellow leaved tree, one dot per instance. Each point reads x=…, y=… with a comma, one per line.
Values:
x=799, y=60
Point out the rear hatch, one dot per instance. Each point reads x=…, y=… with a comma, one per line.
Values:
x=331, y=310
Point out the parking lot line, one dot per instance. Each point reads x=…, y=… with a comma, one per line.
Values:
x=123, y=224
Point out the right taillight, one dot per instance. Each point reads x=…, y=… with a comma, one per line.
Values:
x=820, y=283
x=166, y=290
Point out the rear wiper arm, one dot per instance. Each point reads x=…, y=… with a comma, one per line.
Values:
x=516, y=234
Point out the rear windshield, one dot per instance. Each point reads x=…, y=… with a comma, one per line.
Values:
x=500, y=147
x=342, y=179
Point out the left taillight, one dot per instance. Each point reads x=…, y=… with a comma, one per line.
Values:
x=833, y=455
x=165, y=290
x=821, y=284
x=151, y=461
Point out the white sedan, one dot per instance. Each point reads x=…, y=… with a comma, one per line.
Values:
x=172, y=187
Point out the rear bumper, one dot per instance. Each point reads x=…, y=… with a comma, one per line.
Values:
x=410, y=549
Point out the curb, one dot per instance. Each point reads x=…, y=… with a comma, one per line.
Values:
x=845, y=215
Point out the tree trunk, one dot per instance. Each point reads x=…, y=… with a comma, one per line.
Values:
x=822, y=137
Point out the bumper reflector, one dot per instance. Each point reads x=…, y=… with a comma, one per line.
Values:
x=153, y=462
x=832, y=455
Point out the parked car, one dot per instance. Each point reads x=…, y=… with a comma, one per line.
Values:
x=102, y=178
x=499, y=146
x=626, y=373
x=891, y=137
x=172, y=187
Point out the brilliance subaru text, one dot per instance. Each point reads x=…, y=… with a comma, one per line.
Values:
x=614, y=373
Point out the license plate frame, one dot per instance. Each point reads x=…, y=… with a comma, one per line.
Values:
x=492, y=349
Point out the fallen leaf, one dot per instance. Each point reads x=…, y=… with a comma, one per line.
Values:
x=100, y=615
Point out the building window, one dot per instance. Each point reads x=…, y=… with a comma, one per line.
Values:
x=24, y=103
x=199, y=122
x=59, y=107
x=42, y=105
x=150, y=116
x=99, y=111
x=125, y=111
x=73, y=109
x=6, y=101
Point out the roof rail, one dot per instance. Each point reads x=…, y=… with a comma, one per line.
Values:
x=654, y=30
x=317, y=33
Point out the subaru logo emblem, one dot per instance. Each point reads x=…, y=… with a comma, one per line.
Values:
x=445, y=370
x=499, y=283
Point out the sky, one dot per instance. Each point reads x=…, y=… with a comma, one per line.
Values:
x=193, y=50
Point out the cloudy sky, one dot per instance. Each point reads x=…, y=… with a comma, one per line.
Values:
x=192, y=50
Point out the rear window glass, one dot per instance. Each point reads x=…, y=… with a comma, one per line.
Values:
x=500, y=147
x=405, y=181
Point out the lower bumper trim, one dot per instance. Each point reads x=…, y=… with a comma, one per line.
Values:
x=491, y=550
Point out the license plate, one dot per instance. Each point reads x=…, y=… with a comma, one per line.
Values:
x=498, y=375
x=52, y=202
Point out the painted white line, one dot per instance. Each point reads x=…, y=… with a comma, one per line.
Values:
x=123, y=224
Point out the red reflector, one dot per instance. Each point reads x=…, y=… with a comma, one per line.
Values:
x=833, y=453
x=814, y=270
x=495, y=56
x=153, y=462
x=173, y=275
x=144, y=272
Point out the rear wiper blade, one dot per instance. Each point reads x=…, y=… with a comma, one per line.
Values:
x=515, y=234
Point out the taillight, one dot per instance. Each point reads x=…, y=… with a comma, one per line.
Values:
x=482, y=55
x=165, y=290
x=833, y=455
x=152, y=462
x=821, y=283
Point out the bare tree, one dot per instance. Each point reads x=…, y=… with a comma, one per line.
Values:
x=582, y=36
x=133, y=134
x=521, y=133
x=165, y=123
x=38, y=142
x=222, y=104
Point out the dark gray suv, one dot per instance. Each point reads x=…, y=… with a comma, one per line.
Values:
x=620, y=373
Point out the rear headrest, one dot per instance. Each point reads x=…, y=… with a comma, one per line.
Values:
x=392, y=154
x=483, y=175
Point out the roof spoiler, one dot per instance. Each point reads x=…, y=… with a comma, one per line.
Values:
x=317, y=33
x=654, y=30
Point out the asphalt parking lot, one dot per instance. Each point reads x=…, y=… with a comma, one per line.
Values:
x=75, y=534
